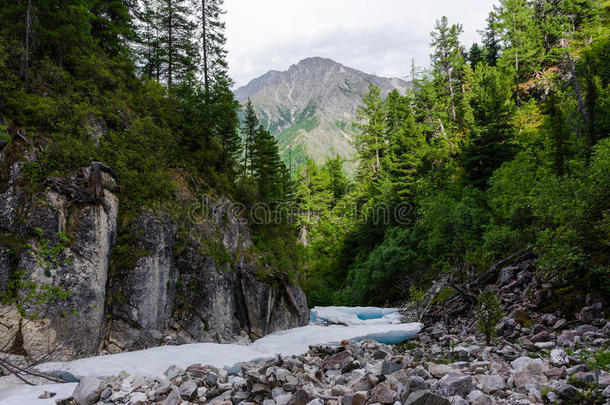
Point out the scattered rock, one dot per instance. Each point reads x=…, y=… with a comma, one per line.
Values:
x=426, y=398
x=88, y=390
x=455, y=383
x=591, y=313
x=566, y=391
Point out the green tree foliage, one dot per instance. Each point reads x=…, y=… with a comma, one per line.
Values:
x=522, y=41
x=476, y=55
x=371, y=142
x=491, y=40
x=488, y=313
x=268, y=169
x=213, y=52
x=249, y=128
x=537, y=89
x=490, y=141
x=178, y=51
x=447, y=60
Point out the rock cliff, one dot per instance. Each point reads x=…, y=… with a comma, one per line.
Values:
x=132, y=279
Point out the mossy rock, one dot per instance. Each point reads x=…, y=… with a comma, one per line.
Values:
x=522, y=317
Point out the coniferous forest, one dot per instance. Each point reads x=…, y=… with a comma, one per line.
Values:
x=493, y=149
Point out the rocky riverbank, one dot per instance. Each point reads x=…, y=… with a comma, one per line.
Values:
x=436, y=368
x=537, y=357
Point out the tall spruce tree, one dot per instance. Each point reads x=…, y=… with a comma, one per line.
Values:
x=148, y=45
x=111, y=24
x=406, y=149
x=447, y=58
x=213, y=53
x=179, y=52
x=490, y=140
x=224, y=109
x=268, y=168
x=371, y=141
x=491, y=39
x=519, y=33
x=249, y=128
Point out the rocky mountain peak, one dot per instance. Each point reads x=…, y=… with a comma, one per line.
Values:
x=311, y=106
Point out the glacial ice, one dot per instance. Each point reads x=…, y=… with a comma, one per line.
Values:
x=358, y=323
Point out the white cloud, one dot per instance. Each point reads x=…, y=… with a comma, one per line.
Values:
x=375, y=36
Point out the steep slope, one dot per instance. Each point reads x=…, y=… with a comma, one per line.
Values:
x=168, y=277
x=311, y=106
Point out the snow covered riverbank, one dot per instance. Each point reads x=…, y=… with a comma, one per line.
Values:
x=380, y=325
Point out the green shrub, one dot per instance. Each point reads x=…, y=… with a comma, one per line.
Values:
x=488, y=313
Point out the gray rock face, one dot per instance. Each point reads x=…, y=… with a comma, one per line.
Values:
x=77, y=322
x=184, y=278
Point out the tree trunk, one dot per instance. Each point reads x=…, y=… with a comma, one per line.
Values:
x=452, y=94
x=204, y=43
x=516, y=44
x=28, y=28
x=170, y=46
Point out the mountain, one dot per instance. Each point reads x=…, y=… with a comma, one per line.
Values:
x=311, y=106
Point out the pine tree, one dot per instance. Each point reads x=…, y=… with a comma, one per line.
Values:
x=338, y=181
x=491, y=136
x=111, y=24
x=491, y=40
x=370, y=142
x=268, y=169
x=405, y=154
x=225, y=122
x=521, y=40
x=213, y=53
x=249, y=128
x=476, y=54
x=148, y=48
x=179, y=52
x=447, y=58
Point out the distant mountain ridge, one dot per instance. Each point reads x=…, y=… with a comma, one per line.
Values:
x=311, y=106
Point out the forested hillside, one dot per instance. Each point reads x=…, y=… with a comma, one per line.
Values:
x=497, y=148
x=140, y=86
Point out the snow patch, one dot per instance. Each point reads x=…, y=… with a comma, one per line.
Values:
x=380, y=324
x=355, y=315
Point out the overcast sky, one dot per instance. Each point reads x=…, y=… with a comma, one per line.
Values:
x=375, y=36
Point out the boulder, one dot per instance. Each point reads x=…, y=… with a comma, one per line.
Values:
x=591, y=313
x=300, y=397
x=559, y=357
x=507, y=274
x=556, y=373
x=542, y=336
x=521, y=362
x=560, y=324
x=138, y=398
x=383, y=393
x=483, y=400
x=490, y=383
x=566, y=391
x=455, y=383
x=88, y=390
x=439, y=370
x=424, y=397
x=188, y=389
x=358, y=398
x=523, y=377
